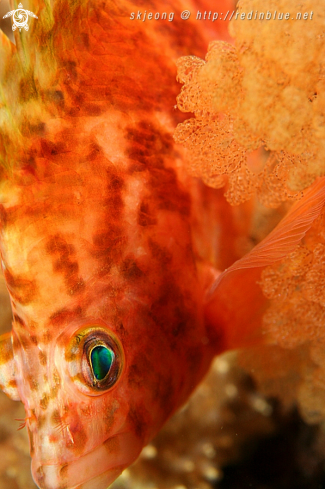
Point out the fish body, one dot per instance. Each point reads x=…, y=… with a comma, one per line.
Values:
x=97, y=248
x=111, y=248
x=107, y=251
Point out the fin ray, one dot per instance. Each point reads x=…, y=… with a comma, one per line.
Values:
x=235, y=303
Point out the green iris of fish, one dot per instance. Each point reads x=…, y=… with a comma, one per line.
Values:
x=101, y=360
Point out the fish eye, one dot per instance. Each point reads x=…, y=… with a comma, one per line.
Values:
x=101, y=359
x=101, y=363
x=95, y=358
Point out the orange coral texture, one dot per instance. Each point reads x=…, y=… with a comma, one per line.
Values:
x=258, y=129
x=258, y=94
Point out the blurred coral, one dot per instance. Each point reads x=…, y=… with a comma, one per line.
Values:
x=259, y=131
x=258, y=105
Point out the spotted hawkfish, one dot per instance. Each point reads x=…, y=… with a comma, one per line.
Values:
x=110, y=250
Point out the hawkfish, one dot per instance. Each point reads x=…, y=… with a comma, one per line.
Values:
x=109, y=249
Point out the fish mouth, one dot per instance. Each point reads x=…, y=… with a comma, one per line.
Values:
x=96, y=469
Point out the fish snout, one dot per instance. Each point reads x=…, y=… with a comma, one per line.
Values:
x=96, y=469
x=54, y=477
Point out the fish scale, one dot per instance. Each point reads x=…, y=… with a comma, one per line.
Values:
x=105, y=239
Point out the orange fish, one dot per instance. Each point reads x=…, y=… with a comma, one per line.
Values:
x=108, y=247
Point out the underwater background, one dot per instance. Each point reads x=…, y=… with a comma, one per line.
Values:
x=257, y=420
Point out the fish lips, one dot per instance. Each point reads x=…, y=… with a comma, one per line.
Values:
x=96, y=469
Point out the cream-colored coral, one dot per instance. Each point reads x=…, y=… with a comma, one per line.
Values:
x=266, y=91
x=295, y=317
x=259, y=129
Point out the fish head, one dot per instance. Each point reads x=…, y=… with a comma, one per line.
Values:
x=79, y=419
x=96, y=394
x=108, y=335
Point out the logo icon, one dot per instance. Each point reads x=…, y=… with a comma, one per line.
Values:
x=20, y=18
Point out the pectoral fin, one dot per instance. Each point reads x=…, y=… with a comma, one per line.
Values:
x=235, y=302
x=7, y=368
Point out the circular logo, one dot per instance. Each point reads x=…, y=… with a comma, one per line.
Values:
x=20, y=18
